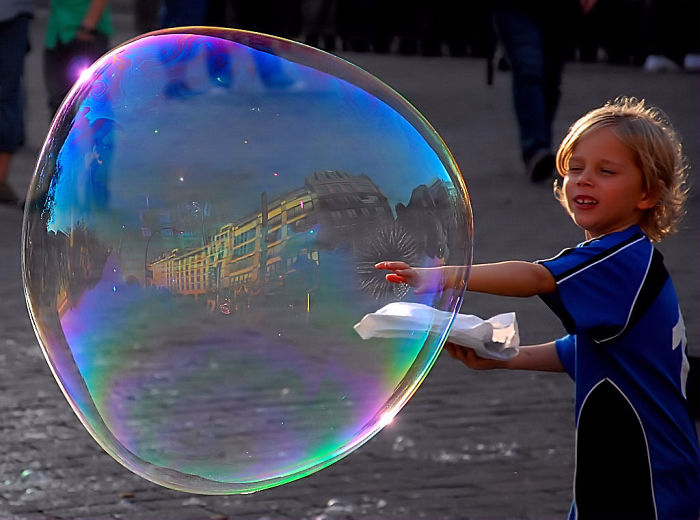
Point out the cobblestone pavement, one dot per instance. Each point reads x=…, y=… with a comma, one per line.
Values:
x=468, y=445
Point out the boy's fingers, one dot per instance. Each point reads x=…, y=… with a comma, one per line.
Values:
x=391, y=265
x=469, y=356
x=453, y=349
x=393, y=277
x=463, y=354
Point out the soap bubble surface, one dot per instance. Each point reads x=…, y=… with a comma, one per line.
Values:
x=200, y=238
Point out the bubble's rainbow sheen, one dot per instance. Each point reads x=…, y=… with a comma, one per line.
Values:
x=198, y=243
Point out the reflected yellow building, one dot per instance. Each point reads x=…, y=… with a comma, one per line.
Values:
x=256, y=253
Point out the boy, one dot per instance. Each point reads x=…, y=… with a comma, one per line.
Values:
x=637, y=450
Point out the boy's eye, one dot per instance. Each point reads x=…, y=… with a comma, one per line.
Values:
x=606, y=171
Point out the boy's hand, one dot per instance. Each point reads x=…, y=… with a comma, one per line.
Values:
x=422, y=279
x=467, y=356
x=531, y=357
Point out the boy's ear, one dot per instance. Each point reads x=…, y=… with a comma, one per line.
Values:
x=650, y=199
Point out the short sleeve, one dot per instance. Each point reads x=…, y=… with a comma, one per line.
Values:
x=598, y=283
x=566, y=350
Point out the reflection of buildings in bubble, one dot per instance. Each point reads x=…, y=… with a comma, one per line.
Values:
x=64, y=261
x=228, y=264
x=62, y=266
x=274, y=253
x=349, y=205
x=431, y=218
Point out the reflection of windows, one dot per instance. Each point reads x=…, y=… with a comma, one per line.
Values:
x=244, y=249
x=275, y=250
x=300, y=226
x=274, y=221
x=240, y=279
x=352, y=212
x=369, y=199
x=273, y=236
x=336, y=215
x=242, y=263
x=299, y=209
x=273, y=268
x=244, y=237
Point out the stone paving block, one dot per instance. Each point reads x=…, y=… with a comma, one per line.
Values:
x=181, y=513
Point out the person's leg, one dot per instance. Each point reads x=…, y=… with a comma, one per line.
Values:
x=13, y=47
x=522, y=40
x=555, y=52
x=55, y=64
x=64, y=64
x=5, y=158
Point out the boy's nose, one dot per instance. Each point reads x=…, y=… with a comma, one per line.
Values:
x=584, y=178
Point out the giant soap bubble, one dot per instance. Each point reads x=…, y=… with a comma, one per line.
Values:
x=200, y=238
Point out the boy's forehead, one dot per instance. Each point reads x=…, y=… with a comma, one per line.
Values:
x=599, y=135
x=604, y=143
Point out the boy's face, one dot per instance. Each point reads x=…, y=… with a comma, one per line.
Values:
x=603, y=185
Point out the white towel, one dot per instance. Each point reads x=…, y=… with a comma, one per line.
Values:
x=495, y=338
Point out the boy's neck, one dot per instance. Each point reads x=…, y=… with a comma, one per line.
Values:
x=591, y=236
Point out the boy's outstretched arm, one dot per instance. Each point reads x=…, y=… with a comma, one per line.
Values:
x=513, y=278
x=542, y=357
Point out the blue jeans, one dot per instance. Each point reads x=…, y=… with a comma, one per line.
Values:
x=13, y=47
x=537, y=61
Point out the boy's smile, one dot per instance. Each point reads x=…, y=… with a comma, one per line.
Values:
x=584, y=201
x=603, y=185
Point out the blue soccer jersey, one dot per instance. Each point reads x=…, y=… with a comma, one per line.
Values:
x=636, y=446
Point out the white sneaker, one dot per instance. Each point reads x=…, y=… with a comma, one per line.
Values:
x=658, y=63
x=691, y=62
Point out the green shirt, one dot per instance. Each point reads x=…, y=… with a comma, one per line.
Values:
x=66, y=16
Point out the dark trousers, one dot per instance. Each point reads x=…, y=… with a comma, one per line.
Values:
x=64, y=64
x=13, y=47
x=537, y=62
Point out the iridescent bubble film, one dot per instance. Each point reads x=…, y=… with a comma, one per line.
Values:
x=200, y=238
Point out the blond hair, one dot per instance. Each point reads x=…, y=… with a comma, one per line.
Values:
x=656, y=146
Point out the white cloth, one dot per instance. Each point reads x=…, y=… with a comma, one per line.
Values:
x=495, y=338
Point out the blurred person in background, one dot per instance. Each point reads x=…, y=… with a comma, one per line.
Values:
x=77, y=35
x=673, y=35
x=14, y=44
x=537, y=39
